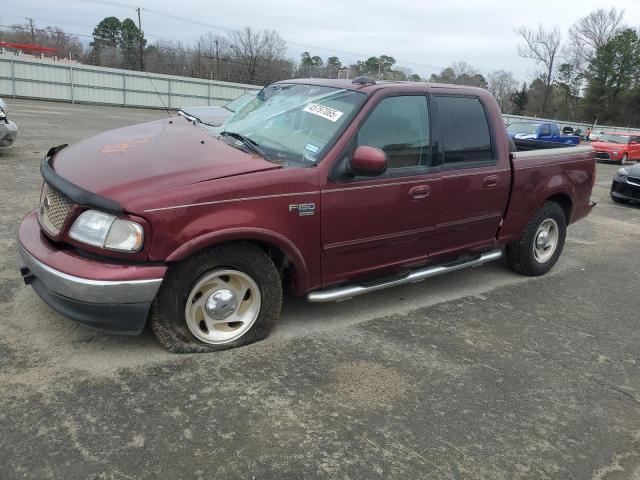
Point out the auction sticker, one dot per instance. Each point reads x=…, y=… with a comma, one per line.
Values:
x=330, y=114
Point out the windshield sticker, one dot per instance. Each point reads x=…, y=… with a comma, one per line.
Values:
x=324, y=112
x=311, y=148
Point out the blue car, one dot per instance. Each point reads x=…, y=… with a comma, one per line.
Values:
x=543, y=131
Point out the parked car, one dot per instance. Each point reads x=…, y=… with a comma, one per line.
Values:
x=626, y=184
x=8, y=129
x=617, y=147
x=215, y=116
x=543, y=131
x=329, y=188
x=595, y=135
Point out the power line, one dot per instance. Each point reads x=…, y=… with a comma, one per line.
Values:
x=229, y=30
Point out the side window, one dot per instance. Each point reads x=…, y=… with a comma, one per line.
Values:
x=546, y=130
x=400, y=127
x=464, y=130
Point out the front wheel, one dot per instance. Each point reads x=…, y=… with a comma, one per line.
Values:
x=224, y=297
x=537, y=251
x=624, y=160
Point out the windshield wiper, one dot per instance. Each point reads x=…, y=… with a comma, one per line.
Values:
x=246, y=141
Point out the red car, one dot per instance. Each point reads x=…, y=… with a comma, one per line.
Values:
x=618, y=147
x=329, y=188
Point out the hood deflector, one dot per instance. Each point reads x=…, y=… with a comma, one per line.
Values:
x=75, y=193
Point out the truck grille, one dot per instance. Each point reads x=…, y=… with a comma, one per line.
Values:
x=54, y=208
x=603, y=156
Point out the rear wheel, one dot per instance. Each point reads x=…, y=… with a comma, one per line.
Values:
x=537, y=251
x=224, y=297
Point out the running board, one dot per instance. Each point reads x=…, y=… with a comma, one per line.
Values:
x=344, y=293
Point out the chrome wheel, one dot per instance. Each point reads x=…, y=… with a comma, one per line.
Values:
x=624, y=159
x=222, y=306
x=546, y=240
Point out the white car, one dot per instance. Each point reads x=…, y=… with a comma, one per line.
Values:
x=8, y=129
x=595, y=135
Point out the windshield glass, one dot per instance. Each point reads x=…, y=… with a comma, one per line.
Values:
x=234, y=105
x=607, y=137
x=523, y=127
x=293, y=123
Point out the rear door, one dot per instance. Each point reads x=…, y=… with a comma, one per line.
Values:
x=382, y=223
x=474, y=190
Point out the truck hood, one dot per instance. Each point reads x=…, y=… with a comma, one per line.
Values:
x=137, y=161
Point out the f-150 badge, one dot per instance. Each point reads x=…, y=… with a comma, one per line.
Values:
x=303, y=209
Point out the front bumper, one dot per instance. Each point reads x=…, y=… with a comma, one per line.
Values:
x=116, y=299
x=625, y=189
x=8, y=133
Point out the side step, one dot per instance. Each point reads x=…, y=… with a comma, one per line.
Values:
x=349, y=291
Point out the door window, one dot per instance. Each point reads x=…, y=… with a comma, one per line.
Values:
x=466, y=139
x=400, y=127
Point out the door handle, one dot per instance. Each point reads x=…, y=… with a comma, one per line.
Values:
x=490, y=181
x=419, y=192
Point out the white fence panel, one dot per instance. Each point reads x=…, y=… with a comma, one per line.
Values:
x=42, y=79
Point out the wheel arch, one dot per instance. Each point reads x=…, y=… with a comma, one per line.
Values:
x=566, y=203
x=281, y=250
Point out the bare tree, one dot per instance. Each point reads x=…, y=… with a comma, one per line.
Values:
x=463, y=68
x=591, y=32
x=257, y=52
x=542, y=46
x=502, y=86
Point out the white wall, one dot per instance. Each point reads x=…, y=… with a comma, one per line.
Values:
x=77, y=83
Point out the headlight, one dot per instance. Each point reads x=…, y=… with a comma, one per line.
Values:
x=106, y=231
x=2, y=114
x=623, y=172
x=615, y=153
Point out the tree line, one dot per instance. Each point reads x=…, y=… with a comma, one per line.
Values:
x=592, y=74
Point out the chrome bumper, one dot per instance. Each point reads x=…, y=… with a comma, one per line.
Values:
x=87, y=290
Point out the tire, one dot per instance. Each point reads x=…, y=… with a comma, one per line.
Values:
x=181, y=310
x=524, y=256
x=619, y=200
x=624, y=160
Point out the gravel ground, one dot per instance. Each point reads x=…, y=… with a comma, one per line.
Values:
x=478, y=374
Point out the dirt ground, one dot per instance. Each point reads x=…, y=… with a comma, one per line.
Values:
x=478, y=374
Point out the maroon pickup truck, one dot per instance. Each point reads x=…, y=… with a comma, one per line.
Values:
x=329, y=188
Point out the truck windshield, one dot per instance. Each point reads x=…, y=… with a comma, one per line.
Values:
x=614, y=138
x=293, y=123
x=523, y=127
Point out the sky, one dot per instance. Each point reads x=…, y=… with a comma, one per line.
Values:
x=425, y=36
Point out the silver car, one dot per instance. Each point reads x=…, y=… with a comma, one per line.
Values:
x=8, y=129
x=216, y=116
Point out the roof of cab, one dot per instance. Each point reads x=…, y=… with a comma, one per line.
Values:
x=378, y=85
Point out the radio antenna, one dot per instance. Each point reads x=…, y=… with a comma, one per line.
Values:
x=159, y=96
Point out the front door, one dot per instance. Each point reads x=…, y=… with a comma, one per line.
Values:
x=382, y=222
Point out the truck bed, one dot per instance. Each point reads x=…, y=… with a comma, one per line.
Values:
x=543, y=174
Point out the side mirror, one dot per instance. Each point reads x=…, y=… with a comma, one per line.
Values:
x=368, y=161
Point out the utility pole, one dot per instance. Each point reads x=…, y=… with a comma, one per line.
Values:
x=141, y=52
x=217, y=61
x=33, y=35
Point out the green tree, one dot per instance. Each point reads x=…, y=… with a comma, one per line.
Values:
x=106, y=37
x=129, y=43
x=333, y=67
x=613, y=71
x=415, y=77
x=372, y=65
x=519, y=101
